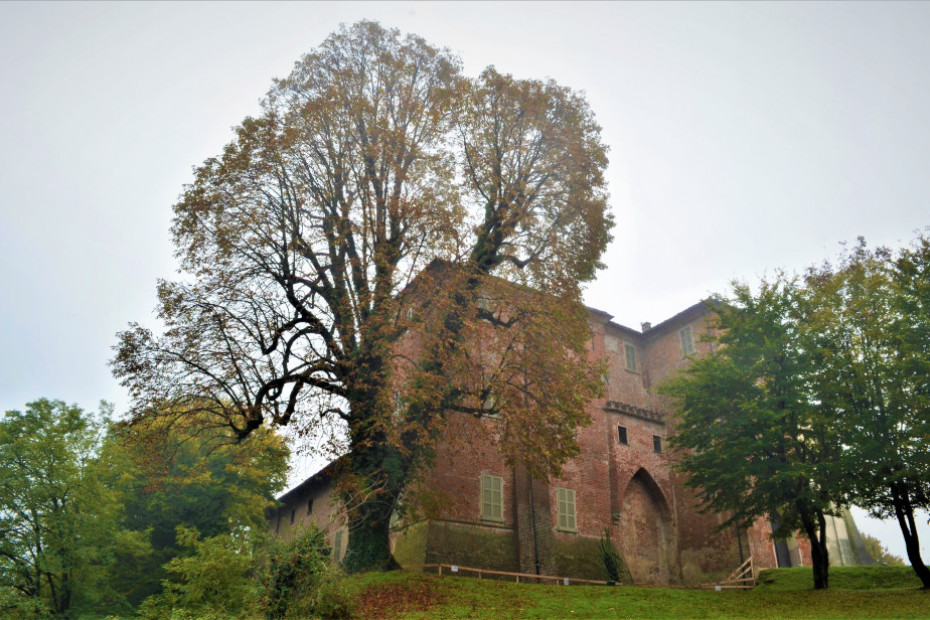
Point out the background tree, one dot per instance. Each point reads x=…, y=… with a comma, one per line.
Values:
x=58, y=522
x=213, y=580
x=750, y=433
x=879, y=552
x=871, y=328
x=190, y=476
x=376, y=169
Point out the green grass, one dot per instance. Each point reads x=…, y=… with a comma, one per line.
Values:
x=856, y=592
x=841, y=578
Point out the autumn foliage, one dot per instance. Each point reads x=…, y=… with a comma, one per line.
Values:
x=379, y=194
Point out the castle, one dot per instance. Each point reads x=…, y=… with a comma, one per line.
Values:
x=499, y=517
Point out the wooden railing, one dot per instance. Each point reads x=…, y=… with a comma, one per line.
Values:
x=743, y=578
x=453, y=569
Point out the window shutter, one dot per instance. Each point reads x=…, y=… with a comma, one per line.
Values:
x=686, y=335
x=629, y=352
x=565, y=500
x=492, y=498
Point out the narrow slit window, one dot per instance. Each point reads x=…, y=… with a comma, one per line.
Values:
x=621, y=436
x=657, y=444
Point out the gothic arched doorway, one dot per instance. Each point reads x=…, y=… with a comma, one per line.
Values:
x=643, y=532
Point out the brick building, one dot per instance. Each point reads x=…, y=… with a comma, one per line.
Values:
x=498, y=517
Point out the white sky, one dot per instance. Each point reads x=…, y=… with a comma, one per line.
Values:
x=744, y=138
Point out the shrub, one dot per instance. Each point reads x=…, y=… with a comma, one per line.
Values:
x=299, y=581
x=215, y=581
x=613, y=563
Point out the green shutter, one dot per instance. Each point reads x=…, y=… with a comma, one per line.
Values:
x=687, y=340
x=492, y=498
x=629, y=352
x=565, y=508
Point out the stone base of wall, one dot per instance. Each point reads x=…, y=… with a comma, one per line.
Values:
x=435, y=542
x=463, y=544
x=580, y=557
x=409, y=545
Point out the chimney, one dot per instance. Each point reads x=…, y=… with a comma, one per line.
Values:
x=646, y=326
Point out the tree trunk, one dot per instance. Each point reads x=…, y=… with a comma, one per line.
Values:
x=369, y=545
x=817, y=534
x=904, y=511
x=380, y=468
x=378, y=475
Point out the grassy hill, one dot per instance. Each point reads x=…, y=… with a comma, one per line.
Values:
x=856, y=592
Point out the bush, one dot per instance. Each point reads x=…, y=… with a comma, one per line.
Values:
x=14, y=604
x=215, y=581
x=613, y=563
x=299, y=581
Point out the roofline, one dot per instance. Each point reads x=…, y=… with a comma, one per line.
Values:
x=624, y=328
x=600, y=314
x=701, y=308
x=320, y=477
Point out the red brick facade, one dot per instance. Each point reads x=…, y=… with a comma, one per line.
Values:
x=622, y=480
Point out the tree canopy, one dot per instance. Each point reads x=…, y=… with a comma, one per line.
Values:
x=58, y=522
x=90, y=510
x=372, y=161
x=871, y=329
x=817, y=396
x=171, y=476
x=751, y=436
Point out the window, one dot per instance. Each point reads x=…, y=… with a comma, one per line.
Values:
x=310, y=506
x=565, y=500
x=293, y=514
x=337, y=545
x=621, y=436
x=629, y=352
x=686, y=336
x=492, y=498
x=657, y=444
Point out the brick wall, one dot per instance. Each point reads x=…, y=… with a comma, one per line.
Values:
x=629, y=487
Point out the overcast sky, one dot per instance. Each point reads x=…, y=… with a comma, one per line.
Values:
x=743, y=138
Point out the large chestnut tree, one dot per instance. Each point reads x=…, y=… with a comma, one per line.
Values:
x=389, y=243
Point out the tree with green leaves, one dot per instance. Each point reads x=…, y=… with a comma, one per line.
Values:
x=361, y=257
x=188, y=477
x=58, y=522
x=879, y=552
x=212, y=580
x=870, y=326
x=750, y=433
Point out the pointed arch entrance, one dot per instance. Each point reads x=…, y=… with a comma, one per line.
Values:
x=643, y=535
